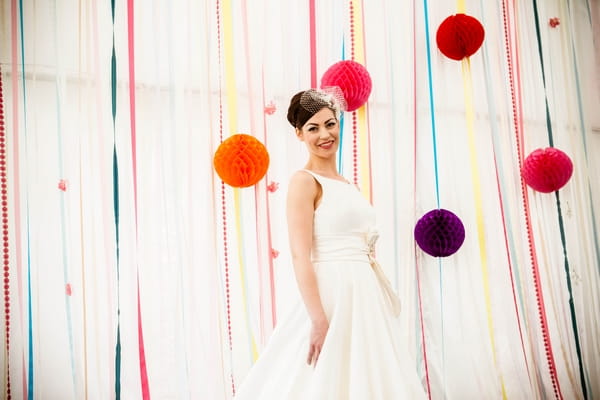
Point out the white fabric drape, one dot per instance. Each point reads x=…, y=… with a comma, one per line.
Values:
x=210, y=263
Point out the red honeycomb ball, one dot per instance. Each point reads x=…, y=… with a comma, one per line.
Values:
x=353, y=79
x=547, y=170
x=241, y=160
x=459, y=36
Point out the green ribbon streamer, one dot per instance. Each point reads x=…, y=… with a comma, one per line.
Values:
x=559, y=209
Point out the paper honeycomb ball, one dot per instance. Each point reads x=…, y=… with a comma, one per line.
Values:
x=352, y=78
x=547, y=170
x=439, y=233
x=459, y=36
x=241, y=160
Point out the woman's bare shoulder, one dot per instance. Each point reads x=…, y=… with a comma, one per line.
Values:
x=302, y=183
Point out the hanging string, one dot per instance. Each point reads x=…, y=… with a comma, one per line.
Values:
x=224, y=205
x=65, y=261
x=559, y=211
x=5, y=246
x=354, y=127
x=515, y=91
x=115, y=170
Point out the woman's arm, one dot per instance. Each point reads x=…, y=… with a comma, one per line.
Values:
x=303, y=192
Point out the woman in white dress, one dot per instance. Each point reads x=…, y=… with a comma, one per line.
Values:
x=343, y=339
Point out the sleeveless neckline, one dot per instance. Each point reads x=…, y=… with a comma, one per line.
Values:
x=326, y=177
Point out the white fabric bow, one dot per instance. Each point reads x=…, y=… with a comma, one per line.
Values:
x=388, y=292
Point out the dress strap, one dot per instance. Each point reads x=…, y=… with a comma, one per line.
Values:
x=317, y=177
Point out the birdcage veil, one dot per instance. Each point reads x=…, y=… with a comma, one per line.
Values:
x=313, y=100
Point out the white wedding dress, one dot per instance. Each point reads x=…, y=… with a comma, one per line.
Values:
x=363, y=357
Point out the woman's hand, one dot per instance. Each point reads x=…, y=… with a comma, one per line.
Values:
x=317, y=338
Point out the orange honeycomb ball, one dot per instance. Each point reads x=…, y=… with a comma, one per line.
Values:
x=241, y=160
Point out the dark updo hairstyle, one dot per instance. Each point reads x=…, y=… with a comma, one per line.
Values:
x=304, y=105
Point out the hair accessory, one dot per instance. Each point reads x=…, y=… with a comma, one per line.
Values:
x=313, y=100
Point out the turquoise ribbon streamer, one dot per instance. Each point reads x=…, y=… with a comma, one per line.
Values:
x=30, y=374
x=432, y=104
x=435, y=163
x=113, y=82
x=559, y=209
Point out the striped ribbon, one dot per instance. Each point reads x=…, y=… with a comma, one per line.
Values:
x=559, y=210
x=219, y=13
x=5, y=247
x=65, y=261
x=115, y=171
x=512, y=59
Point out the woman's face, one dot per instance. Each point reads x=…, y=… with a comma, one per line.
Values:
x=321, y=133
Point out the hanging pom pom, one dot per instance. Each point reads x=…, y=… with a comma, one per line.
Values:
x=241, y=160
x=352, y=78
x=439, y=233
x=459, y=36
x=547, y=170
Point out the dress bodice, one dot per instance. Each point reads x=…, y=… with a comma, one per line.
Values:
x=344, y=222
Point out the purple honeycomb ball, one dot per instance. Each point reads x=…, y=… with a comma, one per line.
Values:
x=439, y=233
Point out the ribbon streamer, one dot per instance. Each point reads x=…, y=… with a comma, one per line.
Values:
x=517, y=119
x=559, y=211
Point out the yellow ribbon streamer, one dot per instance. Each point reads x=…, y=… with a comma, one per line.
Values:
x=230, y=88
x=470, y=118
x=361, y=113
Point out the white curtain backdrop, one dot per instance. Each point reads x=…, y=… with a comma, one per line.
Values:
x=132, y=271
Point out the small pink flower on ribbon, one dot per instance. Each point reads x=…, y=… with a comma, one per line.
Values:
x=62, y=185
x=272, y=187
x=274, y=253
x=270, y=108
x=554, y=22
x=68, y=290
